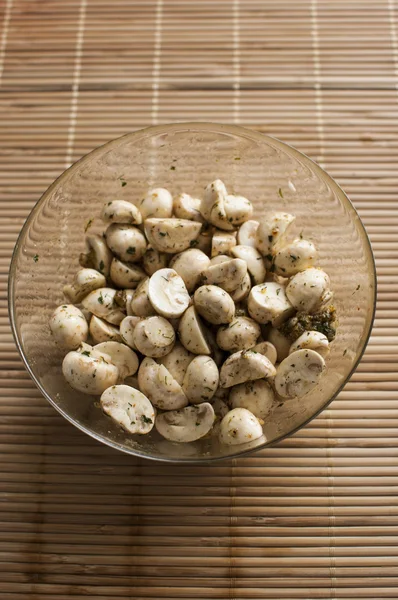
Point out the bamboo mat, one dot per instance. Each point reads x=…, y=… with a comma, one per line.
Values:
x=314, y=517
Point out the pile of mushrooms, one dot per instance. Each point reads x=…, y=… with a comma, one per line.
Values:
x=173, y=318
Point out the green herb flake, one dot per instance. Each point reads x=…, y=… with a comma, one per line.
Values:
x=280, y=192
x=193, y=243
x=278, y=291
x=269, y=257
x=345, y=352
x=130, y=250
x=172, y=168
x=237, y=158
x=293, y=257
x=146, y=419
x=162, y=233
x=88, y=225
x=122, y=180
x=197, y=424
x=100, y=299
x=270, y=238
x=36, y=258
x=86, y=353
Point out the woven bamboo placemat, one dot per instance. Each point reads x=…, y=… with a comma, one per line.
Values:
x=316, y=516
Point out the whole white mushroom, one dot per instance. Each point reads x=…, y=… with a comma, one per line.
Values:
x=126, y=241
x=309, y=290
x=256, y=396
x=158, y=203
x=239, y=426
x=68, y=326
x=267, y=302
x=89, y=372
x=296, y=256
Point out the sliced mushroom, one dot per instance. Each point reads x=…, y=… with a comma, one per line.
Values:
x=159, y=385
x=98, y=257
x=256, y=396
x=101, y=331
x=157, y=203
x=153, y=260
x=242, y=291
x=129, y=408
x=189, y=265
x=68, y=326
x=214, y=196
x=299, y=373
x=120, y=211
x=254, y=261
x=201, y=380
x=123, y=357
x=192, y=332
x=102, y=304
x=171, y=235
x=177, y=362
x=228, y=274
x=239, y=426
x=247, y=233
x=186, y=207
x=127, y=327
x=214, y=304
x=154, y=337
x=238, y=209
x=140, y=303
x=123, y=299
x=85, y=281
x=88, y=372
x=267, y=302
x=272, y=231
x=314, y=340
x=167, y=293
x=126, y=275
x=222, y=242
x=243, y=366
x=280, y=342
x=296, y=256
x=240, y=334
x=126, y=241
x=187, y=424
x=309, y=290
x=266, y=349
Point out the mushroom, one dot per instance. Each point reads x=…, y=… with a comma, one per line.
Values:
x=220, y=258
x=153, y=260
x=159, y=385
x=123, y=357
x=126, y=241
x=298, y=373
x=247, y=233
x=126, y=275
x=228, y=274
x=222, y=242
x=129, y=408
x=268, y=302
x=214, y=196
x=123, y=299
x=314, y=340
x=171, y=235
x=296, y=256
x=98, y=257
x=189, y=265
x=240, y=334
x=101, y=331
x=186, y=207
x=120, y=211
x=203, y=241
x=238, y=209
x=256, y=396
x=309, y=290
x=85, y=281
x=140, y=303
x=272, y=231
x=239, y=426
x=201, y=380
x=242, y=291
x=102, y=304
x=167, y=293
x=127, y=327
x=266, y=349
x=154, y=336
x=177, y=361
x=243, y=366
x=89, y=372
x=214, y=304
x=157, y=203
x=187, y=424
x=192, y=332
x=280, y=342
x=68, y=326
x=254, y=261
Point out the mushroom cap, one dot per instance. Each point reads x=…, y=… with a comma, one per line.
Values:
x=298, y=373
x=254, y=261
x=89, y=373
x=298, y=255
x=98, y=257
x=123, y=357
x=154, y=336
x=167, y=293
x=272, y=231
x=227, y=274
x=126, y=275
x=187, y=424
x=309, y=290
x=314, y=340
x=171, y=235
x=177, y=361
x=68, y=326
x=189, y=265
x=101, y=303
x=267, y=349
x=238, y=209
x=243, y=366
x=153, y=260
x=239, y=426
x=156, y=382
x=186, y=207
x=140, y=304
x=222, y=242
x=247, y=233
x=158, y=202
x=85, y=281
x=256, y=396
x=193, y=333
x=241, y=334
x=101, y=331
x=214, y=304
x=121, y=211
x=267, y=302
x=201, y=380
x=126, y=241
x=129, y=408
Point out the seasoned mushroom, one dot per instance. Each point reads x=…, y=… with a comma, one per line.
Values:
x=127, y=327
x=240, y=334
x=313, y=340
x=68, y=326
x=154, y=336
x=268, y=302
x=126, y=275
x=238, y=209
x=189, y=265
x=214, y=304
x=98, y=257
x=239, y=426
x=266, y=349
x=220, y=258
x=192, y=332
x=157, y=203
x=177, y=362
x=89, y=372
x=140, y=303
x=85, y=281
x=296, y=256
x=123, y=299
x=156, y=382
x=186, y=207
x=121, y=356
x=101, y=331
x=247, y=233
x=256, y=396
x=243, y=366
x=102, y=304
x=187, y=424
x=280, y=342
x=214, y=196
x=167, y=293
x=153, y=260
x=203, y=241
x=309, y=290
x=298, y=373
x=126, y=241
x=120, y=211
x=254, y=261
x=201, y=380
x=171, y=235
x=129, y=408
x=222, y=242
x=228, y=274
x=272, y=231
x=242, y=291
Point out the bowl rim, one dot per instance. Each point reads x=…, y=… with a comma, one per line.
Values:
x=188, y=126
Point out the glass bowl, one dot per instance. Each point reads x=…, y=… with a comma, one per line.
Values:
x=185, y=157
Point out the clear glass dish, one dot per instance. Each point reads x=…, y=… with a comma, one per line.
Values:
x=185, y=157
